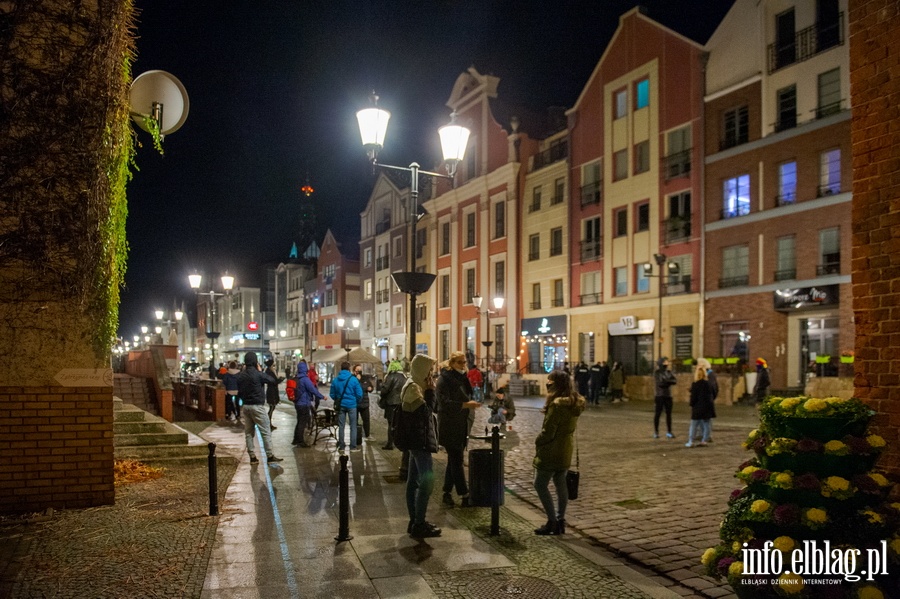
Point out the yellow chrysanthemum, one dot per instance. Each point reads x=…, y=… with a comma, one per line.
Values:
x=870, y=592
x=876, y=441
x=837, y=483
x=835, y=400
x=784, y=480
x=895, y=506
x=760, y=506
x=789, y=404
x=815, y=405
x=749, y=470
x=785, y=544
x=754, y=433
x=880, y=480
x=873, y=517
x=708, y=556
x=834, y=445
x=736, y=570
x=736, y=547
x=790, y=583
x=816, y=515
x=895, y=546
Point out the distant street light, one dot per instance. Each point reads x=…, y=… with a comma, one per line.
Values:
x=345, y=340
x=373, y=124
x=227, y=285
x=672, y=268
x=498, y=304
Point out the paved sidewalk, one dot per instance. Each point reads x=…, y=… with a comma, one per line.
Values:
x=276, y=532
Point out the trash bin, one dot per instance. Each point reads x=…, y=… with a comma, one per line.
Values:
x=480, y=484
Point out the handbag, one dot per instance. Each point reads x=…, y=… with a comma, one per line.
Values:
x=573, y=477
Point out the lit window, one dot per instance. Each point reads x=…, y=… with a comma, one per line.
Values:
x=621, y=103
x=642, y=94
x=736, y=192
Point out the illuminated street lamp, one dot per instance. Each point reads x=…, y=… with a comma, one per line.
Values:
x=227, y=285
x=671, y=268
x=345, y=341
x=498, y=304
x=373, y=123
x=172, y=324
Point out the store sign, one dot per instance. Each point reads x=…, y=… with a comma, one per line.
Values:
x=644, y=327
x=549, y=325
x=629, y=322
x=252, y=326
x=806, y=297
x=253, y=336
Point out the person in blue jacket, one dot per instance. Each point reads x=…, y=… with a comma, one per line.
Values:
x=346, y=393
x=303, y=401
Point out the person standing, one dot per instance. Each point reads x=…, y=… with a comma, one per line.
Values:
x=553, y=449
x=664, y=379
x=272, y=394
x=250, y=383
x=304, y=395
x=362, y=407
x=417, y=435
x=390, y=396
x=702, y=409
x=582, y=378
x=346, y=392
x=596, y=370
x=616, y=382
x=454, y=402
x=476, y=380
x=763, y=381
x=714, y=387
x=232, y=408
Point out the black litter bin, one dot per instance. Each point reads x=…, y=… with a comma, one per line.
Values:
x=480, y=484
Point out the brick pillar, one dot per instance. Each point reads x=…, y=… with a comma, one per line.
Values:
x=875, y=97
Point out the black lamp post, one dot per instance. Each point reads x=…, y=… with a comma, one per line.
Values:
x=498, y=304
x=227, y=285
x=344, y=330
x=372, y=128
x=672, y=268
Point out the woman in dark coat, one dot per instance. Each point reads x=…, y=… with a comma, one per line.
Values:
x=553, y=449
x=702, y=407
x=454, y=400
x=272, y=394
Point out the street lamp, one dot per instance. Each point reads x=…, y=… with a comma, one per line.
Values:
x=172, y=324
x=498, y=304
x=373, y=123
x=345, y=342
x=227, y=285
x=671, y=268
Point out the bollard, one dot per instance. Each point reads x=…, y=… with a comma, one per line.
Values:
x=495, y=482
x=213, y=481
x=343, y=502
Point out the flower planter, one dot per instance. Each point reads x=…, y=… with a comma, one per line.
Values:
x=846, y=359
x=823, y=429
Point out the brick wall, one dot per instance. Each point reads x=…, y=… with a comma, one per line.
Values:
x=875, y=96
x=56, y=447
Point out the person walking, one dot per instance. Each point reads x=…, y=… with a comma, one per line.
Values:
x=454, y=402
x=702, y=408
x=304, y=396
x=272, y=394
x=714, y=387
x=390, y=397
x=362, y=407
x=763, y=381
x=232, y=407
x=553, y=449
x=250, y=383
x=416, y=433
x=663, y=379
x=346, y=392
x=616, y=382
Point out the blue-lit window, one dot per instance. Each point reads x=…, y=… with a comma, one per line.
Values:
x=641, y=279
x=736, y=194
x=621, y=274
x=787, y=183
x=642, y=94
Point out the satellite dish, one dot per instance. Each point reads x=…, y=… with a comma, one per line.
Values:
x=160, y=95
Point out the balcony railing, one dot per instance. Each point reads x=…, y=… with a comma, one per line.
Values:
x=532, y=256
x=592, y=249
x=678, y=284
x=677, y=164
x=382, y=227
x=740, y=210
x=828, y=109
x=678, y=228
x=588, y=299
x=786, y=274
x=828, y=190
x=556, y=250
x=734, y=281
x=557, y=302
x=591, y=193
x=536, y=305
x=786, y=198
x=554, y=153
x=534, y=206
x=828, y=268
x=731, y=140
x=382, y=263
x=807, y=43
x=785, y=122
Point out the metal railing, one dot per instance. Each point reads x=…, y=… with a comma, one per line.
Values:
x=536, y=305
x=741, y=210
x=588, y=299
x=382, y=262
x=554, y=153
x=591, y=249
x=786, y=274
x=828, y=268
x=807, y=43
x=678, y=284
x=734, y=281
x=677, y=164
x=557, y=302
x=591, y=193
x=382, y=227
x=678, y=228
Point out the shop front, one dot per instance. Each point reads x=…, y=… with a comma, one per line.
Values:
x=631, y=344
x=814, y=333
x=545, y=344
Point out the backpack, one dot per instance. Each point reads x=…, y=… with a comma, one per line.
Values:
x=400, y=429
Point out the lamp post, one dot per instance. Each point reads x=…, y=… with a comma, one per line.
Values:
x=454, y=138
x=172, y=324
x=345, y=342
x=498, y=304
x=227, y=285
x=672, y=268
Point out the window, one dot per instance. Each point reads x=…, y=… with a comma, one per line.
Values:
x=398, y=247
x=786, y=259
x=421, y=239
x=590, y=288
x=642, y=94
x=398, y=316
x=559, y=191
x=470, y=285
x=620, y=217
x=620, y=165
x=328, y=271
x=735, y=336
x=736, y=127
x=500, y=279
x=737, y=196
x=558, y=296
x=829, y=93
x=535, y=199
x=787, y=183
x=445, y=291
x=829, y=252
x=470, y=229
x=445, y=239
x=534, y=247
x=328, y=326
x=787, y=108
x=536, y=296
x=421, y=315
x=678, y=226
x=499, y=346
x=735, y=266
x=367, y=260
x=678, y=158
x=830, y=172
x=445, y=345
x=621, y=274
x=643, y=217
x=621, y=103
x=591, y=242
x=680, y=282
x=641, y=280
x=499, y=220
x=785, y=39
x=592, y=183
x=556, y=241
x=367, y=287
x=642, y=157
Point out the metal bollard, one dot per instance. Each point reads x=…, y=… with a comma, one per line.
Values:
x=495, y=481
x=213, y=481
x=344, y=502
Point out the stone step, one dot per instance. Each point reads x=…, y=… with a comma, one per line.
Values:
x=166, y=438
x=138, y=427
x=146, y=453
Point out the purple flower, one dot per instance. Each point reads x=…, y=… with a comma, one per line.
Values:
x=759, y=444
x=735, y=495
x=808, y=446
x=723, y=565
x=857, y=445
x=807, y=482
x=750, y=462
x=865, y=484
x=760, y=476
x=786, y=514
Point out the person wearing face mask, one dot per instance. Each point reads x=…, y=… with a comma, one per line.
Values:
x=454, y=402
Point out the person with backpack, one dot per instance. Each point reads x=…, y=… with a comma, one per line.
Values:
x=346, y=392
x=390, y=397
x=303, y=402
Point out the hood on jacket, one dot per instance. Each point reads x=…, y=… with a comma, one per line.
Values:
x=250, y=359
x=302, y=369
x=420, y=367
x=234, y=370
x=574, y=402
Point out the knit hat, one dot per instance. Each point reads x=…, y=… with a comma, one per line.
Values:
x=250, y=359
x=661, y=361
x=270, y=362
x=761, y=362
x=395, y=366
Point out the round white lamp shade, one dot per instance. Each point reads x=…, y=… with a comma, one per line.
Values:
x=164, y=88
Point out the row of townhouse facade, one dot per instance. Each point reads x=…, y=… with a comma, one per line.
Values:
x=726, y=167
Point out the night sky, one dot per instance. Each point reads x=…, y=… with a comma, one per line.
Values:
x=274, y=87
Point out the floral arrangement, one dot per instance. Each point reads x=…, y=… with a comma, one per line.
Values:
x=814, y=407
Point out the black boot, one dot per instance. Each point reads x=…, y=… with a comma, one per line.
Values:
x=560, y=526
x=550, y=528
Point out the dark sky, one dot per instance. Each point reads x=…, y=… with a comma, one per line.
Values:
x=274, y=86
